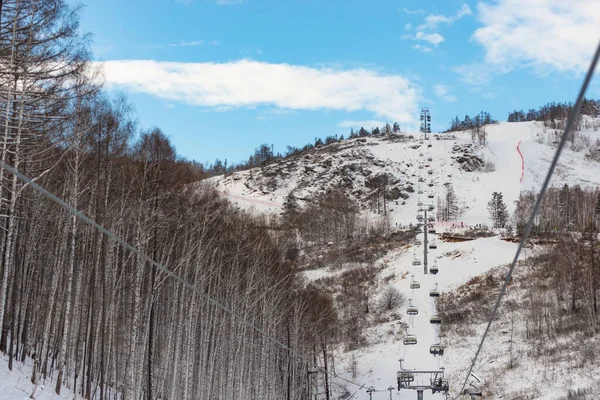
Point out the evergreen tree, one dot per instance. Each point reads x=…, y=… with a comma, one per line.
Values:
x=497, y=210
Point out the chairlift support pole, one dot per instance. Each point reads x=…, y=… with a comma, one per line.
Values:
x=425, y=245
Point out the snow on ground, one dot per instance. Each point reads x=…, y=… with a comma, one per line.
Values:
x=458, y=263
x=16, y=384
x=311, y=173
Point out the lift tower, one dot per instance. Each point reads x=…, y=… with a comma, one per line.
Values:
x=425, y=121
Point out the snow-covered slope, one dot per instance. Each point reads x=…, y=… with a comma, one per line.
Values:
x=16, y=384
x=515, y=158
x=353, y=165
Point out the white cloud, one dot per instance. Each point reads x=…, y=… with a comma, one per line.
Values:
x=464, y=10
x=230, y=2
x=477, y=74
x=433, y=38
x=432, y=21
x=541, y=34
x=187, y=44
x=423, y=49
x=406, y=10
x=370, y=124
x=408, y=26
x=247, y=83
x=441, y=91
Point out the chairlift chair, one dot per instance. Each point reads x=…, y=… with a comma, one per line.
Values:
x=440, y=385
x=434, y=270
x=405, y=376
x=429, y=159
x=420, y=154
x=431, y=208
x=436, y=349
x=434, y=293
x=431, y=230
x=412, y=310
x=419, y=203
x=409, y=340
x=433, y=245
x=431, y=219
x=435, y=319
x=472, y=391
x=418, y=242
x=416, y=262
x=430, y=184
x=430, y=172
x=430, y=196
x=420, y=167
x=415, y=285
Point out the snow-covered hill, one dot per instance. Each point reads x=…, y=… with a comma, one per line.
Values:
x=354, y=166
x=515, y=158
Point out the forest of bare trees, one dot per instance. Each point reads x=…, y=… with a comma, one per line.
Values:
x=95, y=316
x=570, y=270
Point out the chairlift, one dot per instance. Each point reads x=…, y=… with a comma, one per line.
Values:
x=412, y=310
x=434, y=270
x=472, y=391
x=415, y=285
x=440, y=385
x=409, y=340
x=435, y=319
x=405, y=377
x=416, y=262
x=436, y=349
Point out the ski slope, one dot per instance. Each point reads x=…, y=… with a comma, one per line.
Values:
x=514, y=171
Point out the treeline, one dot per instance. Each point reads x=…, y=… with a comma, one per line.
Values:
x=265, y=154
x=96, y=316
x=478, y=121
x=569, y=208
x=553, y=112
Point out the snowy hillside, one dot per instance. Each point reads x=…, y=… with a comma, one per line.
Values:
x=354, y=165
x=515, y=158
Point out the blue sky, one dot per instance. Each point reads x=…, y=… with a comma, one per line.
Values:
x=221, y=77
